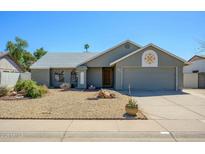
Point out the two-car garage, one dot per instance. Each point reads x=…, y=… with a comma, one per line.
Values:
x=149, y=68
x=159, y=78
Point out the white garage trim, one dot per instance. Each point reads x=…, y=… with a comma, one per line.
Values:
x=121, y=77
x=176, y=69
x=176, y=72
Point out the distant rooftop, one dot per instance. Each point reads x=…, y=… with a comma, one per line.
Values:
x=193, y=58
x=2, y=54
x=202, y=56
x=62, y=59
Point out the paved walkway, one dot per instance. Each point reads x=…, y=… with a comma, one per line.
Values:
x=102, y=130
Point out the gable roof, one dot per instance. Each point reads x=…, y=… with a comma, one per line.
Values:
x=61, y=60
x=108, y=50
x=6, y=54
x=149, y=45
x=73, y=60
x=199, y=56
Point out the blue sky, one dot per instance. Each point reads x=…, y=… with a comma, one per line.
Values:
x=178, y=32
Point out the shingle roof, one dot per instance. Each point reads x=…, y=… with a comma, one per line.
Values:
x=62, y=60
x=70, y=60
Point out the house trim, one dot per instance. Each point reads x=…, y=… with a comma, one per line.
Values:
x=176, y=69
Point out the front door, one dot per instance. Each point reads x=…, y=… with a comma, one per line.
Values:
x=107, y=77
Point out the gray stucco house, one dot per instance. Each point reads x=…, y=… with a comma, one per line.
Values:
x=126, y=65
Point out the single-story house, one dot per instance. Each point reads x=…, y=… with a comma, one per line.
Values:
x=194, y=73
x=8, y=64
x=127, y=65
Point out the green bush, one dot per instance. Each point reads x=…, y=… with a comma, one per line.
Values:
x=43, y=89
x=30, y=88
x=34, y=92
x=4, y=91
x=24, y=85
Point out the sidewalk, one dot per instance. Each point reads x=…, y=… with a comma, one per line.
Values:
x=102, y=130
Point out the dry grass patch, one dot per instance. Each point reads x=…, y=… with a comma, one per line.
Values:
x=66, y=104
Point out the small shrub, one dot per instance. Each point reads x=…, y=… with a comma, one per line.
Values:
x=30, y=88
x=43, y=89
x=65, y=86
x=4, y=91
x=24, y=85
x=18, y=86
x=132, y=103
x=34, y=92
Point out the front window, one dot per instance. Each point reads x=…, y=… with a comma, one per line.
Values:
x=59, y=76
x=195, y=71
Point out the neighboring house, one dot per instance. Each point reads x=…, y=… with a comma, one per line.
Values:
x=9, y=70
x=7, y=64
x=122, y=67
x=194, y=73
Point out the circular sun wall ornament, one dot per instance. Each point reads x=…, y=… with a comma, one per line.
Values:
x=149, y=59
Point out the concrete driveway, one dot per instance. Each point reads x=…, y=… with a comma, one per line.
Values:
x=182, y=113
x=170, y=105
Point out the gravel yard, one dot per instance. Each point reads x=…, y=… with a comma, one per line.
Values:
x=66, y=104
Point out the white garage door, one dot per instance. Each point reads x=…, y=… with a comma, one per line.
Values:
x=149, y=78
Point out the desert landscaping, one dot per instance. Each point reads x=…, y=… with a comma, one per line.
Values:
x=70, y=104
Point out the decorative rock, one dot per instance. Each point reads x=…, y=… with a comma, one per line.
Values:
x=112, y=95
x=21, y=93
x=91, y=87
x=19, y=97
x=105, y=94
x=13, y=93
x=65, y=86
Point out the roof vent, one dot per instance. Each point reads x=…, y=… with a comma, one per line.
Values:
x=127, y=46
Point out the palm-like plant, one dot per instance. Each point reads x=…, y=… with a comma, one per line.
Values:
x=86, y=46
